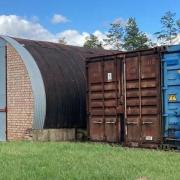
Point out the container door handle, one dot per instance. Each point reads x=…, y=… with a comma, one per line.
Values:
x=147, y=122
x=110, y=122
x=97, y=122
x=132, y=123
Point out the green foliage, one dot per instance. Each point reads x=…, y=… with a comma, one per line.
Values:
x=134, y=39
x=80, y=161
x=114, y=36
x=169, y=28
x=92, y=42
x=178, y=25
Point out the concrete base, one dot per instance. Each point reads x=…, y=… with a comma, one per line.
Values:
x=54, y=135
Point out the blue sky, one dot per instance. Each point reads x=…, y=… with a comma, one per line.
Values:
x=92, y=15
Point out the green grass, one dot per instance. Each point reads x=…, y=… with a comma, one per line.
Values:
x=28, y=160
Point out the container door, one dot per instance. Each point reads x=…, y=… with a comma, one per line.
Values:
x=171, y=92
x=111, y=100
x=150, y=100
x=2, y=92
x=142, y=100
x=95, y=101
x=132, y=101
x=104, y=100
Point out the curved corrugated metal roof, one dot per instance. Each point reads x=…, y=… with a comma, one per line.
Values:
x=63, y=72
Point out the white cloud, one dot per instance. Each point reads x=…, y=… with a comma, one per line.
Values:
x=16, y=26
x=100, y=35
x=58, y=18
x=177, y=40
x=73, y=37
x=153, y=38
x=163, y=42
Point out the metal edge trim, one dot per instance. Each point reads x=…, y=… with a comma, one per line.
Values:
x=37, y=83
x=3, y=103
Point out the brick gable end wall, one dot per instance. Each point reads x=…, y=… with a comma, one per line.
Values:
x=20, y=102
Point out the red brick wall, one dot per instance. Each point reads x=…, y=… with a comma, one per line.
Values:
x=20, y=102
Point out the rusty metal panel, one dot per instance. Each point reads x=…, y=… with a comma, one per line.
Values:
x=104, y=87
x=142, y=99
x=62, y=68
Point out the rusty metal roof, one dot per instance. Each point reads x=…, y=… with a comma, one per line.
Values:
x=63, y=72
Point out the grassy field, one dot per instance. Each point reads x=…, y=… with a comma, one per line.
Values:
x=28, y=160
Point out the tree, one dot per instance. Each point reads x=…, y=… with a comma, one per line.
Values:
x=169, y=28
x=178, y=25
x=133, y=38
x=114, y=36
x=92, y=42
x=62, y=41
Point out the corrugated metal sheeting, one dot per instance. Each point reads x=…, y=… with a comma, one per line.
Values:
x=124, y=103
x=62, y=70
x=133, y=98
x=124, y=97
x=171, y=95
x=105, y=98
x=142, y=98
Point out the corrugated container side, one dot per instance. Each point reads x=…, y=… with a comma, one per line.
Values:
x=142, y=99
x=104, y=97
x=171, y=95
x=124, y=98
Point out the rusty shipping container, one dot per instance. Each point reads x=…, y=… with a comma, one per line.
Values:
x=124, y=100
